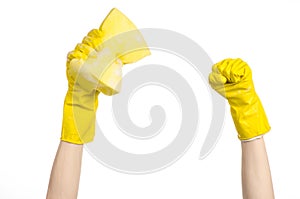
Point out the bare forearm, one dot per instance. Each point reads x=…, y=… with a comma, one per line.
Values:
x=65, y=175
x=256, y=175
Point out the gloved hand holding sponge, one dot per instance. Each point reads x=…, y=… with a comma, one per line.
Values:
x=94, y=66
x=232, y=78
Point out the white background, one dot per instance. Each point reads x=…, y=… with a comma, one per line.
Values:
x=35, y=37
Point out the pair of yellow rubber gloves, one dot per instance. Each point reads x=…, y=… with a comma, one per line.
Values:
x=95, y=65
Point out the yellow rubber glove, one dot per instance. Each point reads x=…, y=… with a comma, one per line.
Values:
x=232, y=78
x=95, y=66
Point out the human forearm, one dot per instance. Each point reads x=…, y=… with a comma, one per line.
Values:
x=256, y=175
x=65, y=175
x=232, y=78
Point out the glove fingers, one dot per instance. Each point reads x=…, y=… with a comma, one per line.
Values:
x=234, y=70
x=226, y=69
x=223, y=68
x=95, y=33
x=240, y=71
x=92, y=42
x=85, y=49
x=217, y=79
x=75, y=55
x=220, y=66
x=93, y=39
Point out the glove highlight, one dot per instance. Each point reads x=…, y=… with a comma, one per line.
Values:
x=95, y=66
x=232, y=78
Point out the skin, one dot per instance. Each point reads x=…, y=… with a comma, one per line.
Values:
x=65, y=174
x=256, y=175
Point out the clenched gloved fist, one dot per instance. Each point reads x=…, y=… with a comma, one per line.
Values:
x=94, y=66
x=232, y=78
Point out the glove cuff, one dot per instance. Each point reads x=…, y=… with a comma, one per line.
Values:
x=78, y=126
x=250, y=120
